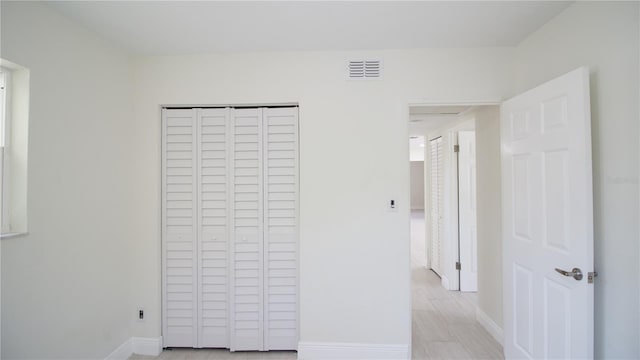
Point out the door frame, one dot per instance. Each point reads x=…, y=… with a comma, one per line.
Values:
x=473, y=258
x=406, y=135
x=450, y=278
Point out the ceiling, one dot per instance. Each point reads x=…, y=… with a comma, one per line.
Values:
x=191, y=27
x=424, y=119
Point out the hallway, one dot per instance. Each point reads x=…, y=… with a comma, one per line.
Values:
x=443, y=322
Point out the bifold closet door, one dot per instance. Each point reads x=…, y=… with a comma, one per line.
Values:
x=230, y=228
x=179, y=228
x=265, y=249
x=195, y=228
x=437, y=191
x=247, y=270
x=213, y=227
x=280, y=137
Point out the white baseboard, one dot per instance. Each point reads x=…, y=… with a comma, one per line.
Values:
x=489, y=325
x=137, y=345
x=445, y=282
x=123, y=352
x=334, y=351
x=147, y=346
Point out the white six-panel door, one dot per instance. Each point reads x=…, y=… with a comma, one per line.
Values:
x=229, y=228
x=548, y=220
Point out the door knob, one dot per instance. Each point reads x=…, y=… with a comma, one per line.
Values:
x=575, y=272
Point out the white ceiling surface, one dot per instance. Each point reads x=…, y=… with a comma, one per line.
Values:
x=421, y=124
x=191, y=27
x=424, y=119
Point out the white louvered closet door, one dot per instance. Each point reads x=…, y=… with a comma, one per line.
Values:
x=179, y=228
x=437, y=203
x=280, y=136
x=247, y=269
x=230, y=228
x=213, y=227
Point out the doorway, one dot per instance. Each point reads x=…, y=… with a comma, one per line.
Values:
x=445, y=320
x=450, y=238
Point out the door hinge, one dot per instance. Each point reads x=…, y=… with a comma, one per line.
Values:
x=458, y=265
x=590, y=277
x=456, y=148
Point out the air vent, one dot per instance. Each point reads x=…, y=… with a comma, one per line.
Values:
x=365, y=69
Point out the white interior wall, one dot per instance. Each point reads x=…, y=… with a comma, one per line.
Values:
x=489, y=216
x=417, y=185
x=65, y=285
x=605, y=37
x=354, y=268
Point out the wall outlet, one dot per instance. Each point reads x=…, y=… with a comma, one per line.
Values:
x=392, y=205
x=140, y=314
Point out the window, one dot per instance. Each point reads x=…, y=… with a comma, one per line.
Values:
x=4, y=193
x=14, y=115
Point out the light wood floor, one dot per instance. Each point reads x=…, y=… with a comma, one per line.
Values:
x=443, y=323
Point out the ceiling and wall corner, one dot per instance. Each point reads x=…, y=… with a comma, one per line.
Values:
x=199, y=27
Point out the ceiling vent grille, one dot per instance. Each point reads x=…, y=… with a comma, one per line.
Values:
x=364, y=70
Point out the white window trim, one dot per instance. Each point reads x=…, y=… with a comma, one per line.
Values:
x=5, y=129
x=14, y=150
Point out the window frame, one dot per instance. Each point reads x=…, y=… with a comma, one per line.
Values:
x=5, y=150
x=14, y=139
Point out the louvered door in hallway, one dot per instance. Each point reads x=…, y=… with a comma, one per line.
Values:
x=230, y=228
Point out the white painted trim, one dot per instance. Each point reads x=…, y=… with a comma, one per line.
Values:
x=12, y=235
x=147, y=346
x=427, y=102
x=445, y=282
x=137, y=345
x=123, y=352
x=332, y=351
x=489, y=325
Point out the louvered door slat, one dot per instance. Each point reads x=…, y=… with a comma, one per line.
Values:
x=247, y=247
x=280, y=136
x=213, y=229
x=179, y=224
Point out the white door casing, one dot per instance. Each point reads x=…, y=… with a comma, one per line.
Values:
x=468, y=244
x=548, y=220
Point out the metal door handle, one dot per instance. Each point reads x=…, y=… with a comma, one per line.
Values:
x=575, y=272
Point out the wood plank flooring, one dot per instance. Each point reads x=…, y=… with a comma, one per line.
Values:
x=444, y=325
x=443, y=322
